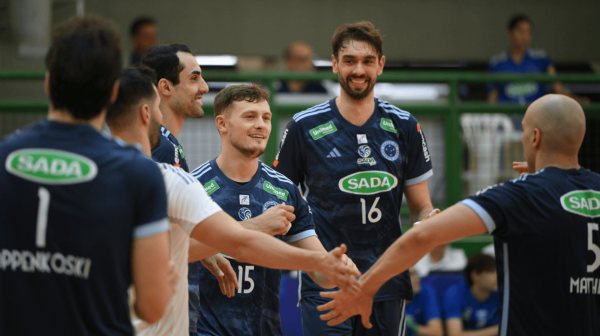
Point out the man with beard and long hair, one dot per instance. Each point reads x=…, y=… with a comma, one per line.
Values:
x=354, y=156
x=255, y=194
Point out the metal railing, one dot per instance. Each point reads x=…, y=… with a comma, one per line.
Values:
x=450, y=112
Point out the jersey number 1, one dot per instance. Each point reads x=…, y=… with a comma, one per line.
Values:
x=372, y=211
x=42, y=217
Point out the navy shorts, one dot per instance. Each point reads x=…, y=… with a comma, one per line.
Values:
x=387, y=319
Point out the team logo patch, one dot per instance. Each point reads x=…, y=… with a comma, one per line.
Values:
x=388, y=125
x=244, y=200
x=322, y=130
x=269, y=205
x=361, y=138
x=245, y=214
x=582, y=202
x=280, y=193
x=364, y=151
x=211, y=187
x=51, y=166
x=390, y=150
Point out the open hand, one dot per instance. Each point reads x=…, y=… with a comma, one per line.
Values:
x=345, y=305
x=340, y=270
x=220, y=267
x=275, y=221
x=520, y=167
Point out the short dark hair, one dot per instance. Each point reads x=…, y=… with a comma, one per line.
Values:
x=84, y=62
x=515, y=19
x=359, y=31
x=135, y=84
x=139, y=22
x=479, y=263
x=162, y=58
x=243, y=92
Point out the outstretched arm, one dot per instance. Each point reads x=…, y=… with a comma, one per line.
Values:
x=454, y=223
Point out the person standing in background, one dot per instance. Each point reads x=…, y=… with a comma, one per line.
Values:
x=143, y=34
x=299, y=57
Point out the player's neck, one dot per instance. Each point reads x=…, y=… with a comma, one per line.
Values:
x=134, y=135
x=65, y=116
x=517, y=54
x=557, y=160
x=480, y=294
x=235, y=165
x=356, y=112
x=171, y=120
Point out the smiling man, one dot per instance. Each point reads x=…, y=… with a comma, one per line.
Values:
x=263, y=200
x=355, y=156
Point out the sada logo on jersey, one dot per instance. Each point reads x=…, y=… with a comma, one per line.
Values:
x=368, y=182
x=245, y=214
x=582, y=202
x=51, y=166
x=365, y=152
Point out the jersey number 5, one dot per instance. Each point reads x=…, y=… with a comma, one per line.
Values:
x=593, y=247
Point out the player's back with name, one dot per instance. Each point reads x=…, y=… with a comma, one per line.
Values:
x=546, y=229
x=72, y=203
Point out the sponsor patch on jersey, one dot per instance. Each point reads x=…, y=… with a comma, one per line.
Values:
x=364, y=151
x=388, y=125
x=390, y=150
x=211, y=187
x=423, y=144
x=245, y=214
x=271, y=189
x=244, y=199
x=322, y=130
x=361, y=138
x=368, y=182
x=370, y=161
x=582, y=202
x=268, y=205
x=180, y=150
x=51, y=166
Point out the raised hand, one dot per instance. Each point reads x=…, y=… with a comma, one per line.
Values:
x=520, y=167
x=346, y=304
x=275, y=221
x=220, y=267
x=337, y=269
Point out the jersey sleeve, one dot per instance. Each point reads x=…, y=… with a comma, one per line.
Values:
x=452, y=300
x=302, y=226
x=188, y=202
x=165, y=152
x=419, y=167
x=432, y=308
x=289, y=161
x=151, y=199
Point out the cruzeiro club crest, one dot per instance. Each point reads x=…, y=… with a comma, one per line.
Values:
x=245, y=213
x=268, y=205
x=390, y=150
x=364, y=151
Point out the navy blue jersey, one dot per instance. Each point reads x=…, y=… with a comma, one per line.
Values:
x=547, y=243
x=254, y=310
x=169, y=151
x=72, y=202
x=424, y=308
x=459, y=303
x=353, y=179
x=533, y=62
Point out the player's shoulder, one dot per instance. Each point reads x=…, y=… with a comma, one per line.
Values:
x=537, y=54
x=164, y=146
x=498, y=59
x=204, y=172
x=276, y=178
x=401, y=118
x=19, y=135
x=313, y=115
x=175, y=175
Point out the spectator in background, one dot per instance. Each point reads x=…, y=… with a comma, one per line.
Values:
x=144, y=35
x=473, y=305
x=521, y=59
x=299, y=57
x=442, y=258
x=423, y=312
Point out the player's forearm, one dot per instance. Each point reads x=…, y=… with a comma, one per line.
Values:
x=321, y=280
x=199, y=251
x=421, y=214
x=433, y=328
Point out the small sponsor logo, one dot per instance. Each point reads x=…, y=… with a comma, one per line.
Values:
x=368, y=183
x=390, y=150
x=582, y=202
x=269, y=204
x=424, y=144
x=180, y=150
x=361, y=138
x=370, y=161
x=280, y=193
x=283, y=138
x=334, y=153
x=322, y=130
x=175, y=154
x=388, y=125
x=51, y=166
x=211, y=187
x=245, y=214
x=244, y=200
x=364, y=151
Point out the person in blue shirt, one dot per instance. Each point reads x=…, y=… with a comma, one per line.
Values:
x=423, y=316
x=546, y=234
x=298, y=56
x=473, y=305
x=355, y=156
x=253, y=193
x=82, y=217
x=521, y=59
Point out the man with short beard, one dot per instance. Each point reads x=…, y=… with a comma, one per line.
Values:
x=354, y=157
x=255, y=194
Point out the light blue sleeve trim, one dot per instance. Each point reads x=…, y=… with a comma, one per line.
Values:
x=419, y=179
x=150, y=229
x=300, y=236
x=484, y=215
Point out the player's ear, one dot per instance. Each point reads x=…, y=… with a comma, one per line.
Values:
x=115, y=92
x=537, y=138
x=334, y=64
x=381, y=64
x=47, y=82
x=221, y=125
x=145, y=114
x=163, y=87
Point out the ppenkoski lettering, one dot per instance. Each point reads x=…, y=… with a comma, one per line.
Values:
x=45, y=262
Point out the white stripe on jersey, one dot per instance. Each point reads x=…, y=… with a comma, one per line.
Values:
x=179, y=171
x=506, y=291
x=198, y=172
x=276, y=175
x=151, y=229
x=165, y=133
x=321, y=108
x=389, y=108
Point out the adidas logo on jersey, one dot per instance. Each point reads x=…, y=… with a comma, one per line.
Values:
x=334, y=153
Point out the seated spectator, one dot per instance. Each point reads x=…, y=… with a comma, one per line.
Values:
x=423, y=312
x=442, y=258
x=521, y=59
x=473, y=306
x=144, y=35
x=299, y=57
